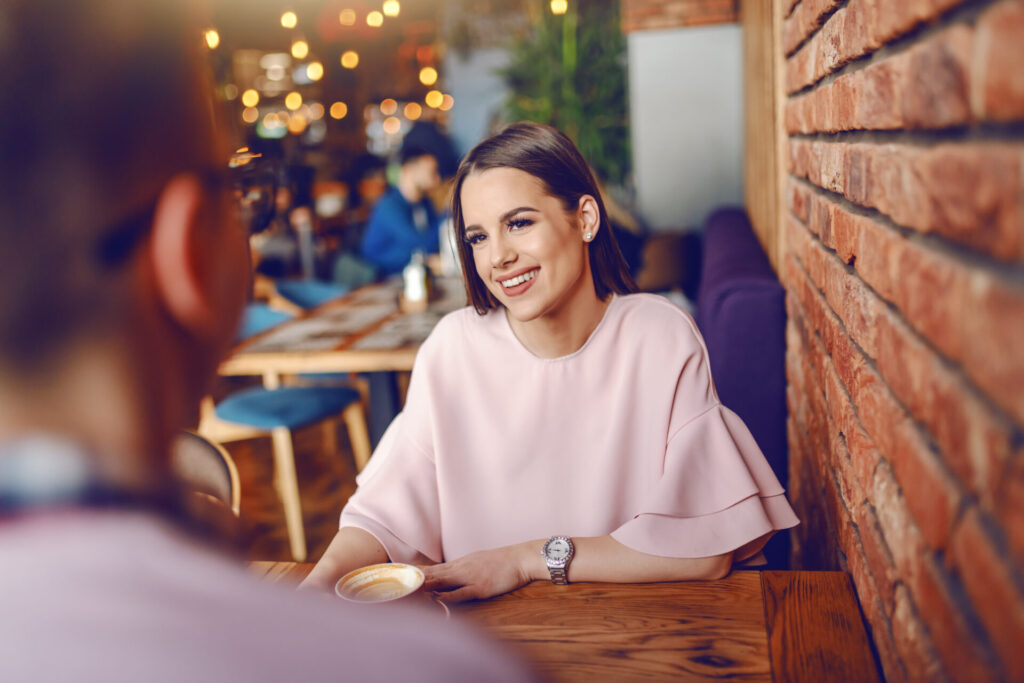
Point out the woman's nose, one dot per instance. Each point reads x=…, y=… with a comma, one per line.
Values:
x=501, y=253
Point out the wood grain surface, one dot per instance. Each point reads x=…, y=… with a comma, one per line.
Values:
x=815, y=628
x=660, y=631
x=749, y=626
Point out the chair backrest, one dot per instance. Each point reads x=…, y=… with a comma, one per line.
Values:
x=207, y=468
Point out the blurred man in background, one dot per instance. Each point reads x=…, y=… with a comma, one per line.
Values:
x=404, y=220
x=122, y=274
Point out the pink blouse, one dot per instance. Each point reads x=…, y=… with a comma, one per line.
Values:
x=626, y=437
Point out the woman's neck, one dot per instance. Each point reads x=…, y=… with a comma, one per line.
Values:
x=563, y=332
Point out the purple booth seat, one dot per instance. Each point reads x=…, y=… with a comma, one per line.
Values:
x=742, y=315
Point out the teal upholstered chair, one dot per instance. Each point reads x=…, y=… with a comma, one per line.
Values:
x=278, y=412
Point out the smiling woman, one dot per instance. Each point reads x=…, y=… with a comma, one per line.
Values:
x=562, y=426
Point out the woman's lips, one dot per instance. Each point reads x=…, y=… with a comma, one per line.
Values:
x=520, y=288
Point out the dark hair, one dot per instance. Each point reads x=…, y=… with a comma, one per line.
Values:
x=411, y=153
x=551, y=157
x=111, y=105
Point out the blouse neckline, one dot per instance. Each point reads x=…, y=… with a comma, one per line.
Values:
x=593, y=334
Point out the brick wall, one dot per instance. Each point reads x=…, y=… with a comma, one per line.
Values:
x=903, y=224
x=639, y=15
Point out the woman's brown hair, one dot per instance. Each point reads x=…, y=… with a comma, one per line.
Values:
x=551, y=157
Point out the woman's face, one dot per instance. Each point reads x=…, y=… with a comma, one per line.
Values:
x=530, y=253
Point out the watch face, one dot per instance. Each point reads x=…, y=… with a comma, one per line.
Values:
x=557, y=550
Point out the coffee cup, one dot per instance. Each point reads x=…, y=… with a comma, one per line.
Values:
x=380, y=582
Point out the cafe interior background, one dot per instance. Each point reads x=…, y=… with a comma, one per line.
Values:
x=864, y=294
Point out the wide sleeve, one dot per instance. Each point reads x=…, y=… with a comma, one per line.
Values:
x=716, y=494
x=397, y=500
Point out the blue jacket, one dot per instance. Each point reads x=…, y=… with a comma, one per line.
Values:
x=391, y=234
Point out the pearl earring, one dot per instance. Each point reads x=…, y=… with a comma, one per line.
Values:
x=588, y=236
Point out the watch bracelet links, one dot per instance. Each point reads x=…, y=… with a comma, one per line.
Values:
x=558, y=576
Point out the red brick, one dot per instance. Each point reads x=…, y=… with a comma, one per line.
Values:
x=973, y=322
x=999, y=88
x=935, y=496
x=788, y=6
x=644, y=15
x=1010, y=506
x=968, y=193
x=854, y=31
x=959, y=646
x=915, y=647
x=926, y=86
x=987, y=579
x=804, y=21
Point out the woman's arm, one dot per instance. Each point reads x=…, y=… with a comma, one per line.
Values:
x=350, y=549
x=492, y=572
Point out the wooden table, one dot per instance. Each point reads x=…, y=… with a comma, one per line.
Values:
x=749, y=626
x=364, y=331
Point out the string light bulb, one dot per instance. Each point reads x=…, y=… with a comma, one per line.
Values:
x=375, y=19
x=314, y=71
x=339, y=110
x=250, y=98
x=388, y=107
x=293, y=100
x=350, y=59
x=391, y=8
x=300, y=49
x=559, y=6
x=212, y=38
x=434, y=99
x=289, y=19
x=347, y=17
x=428, y=75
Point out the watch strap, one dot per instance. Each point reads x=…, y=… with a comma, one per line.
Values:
x=558, y=576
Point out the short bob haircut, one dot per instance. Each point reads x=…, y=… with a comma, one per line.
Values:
x=551, y=157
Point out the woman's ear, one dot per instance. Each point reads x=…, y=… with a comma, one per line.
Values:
x=589, y=216
x=175, y=253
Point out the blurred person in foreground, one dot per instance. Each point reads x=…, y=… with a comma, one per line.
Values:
x=123, y=274
x=404, y=220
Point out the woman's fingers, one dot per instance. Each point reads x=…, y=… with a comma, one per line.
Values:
x=460, y=595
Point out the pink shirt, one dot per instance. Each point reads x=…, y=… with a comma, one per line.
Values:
x=626, y=437
x=88, y=595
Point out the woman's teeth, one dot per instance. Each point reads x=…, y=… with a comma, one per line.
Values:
x=519, y=279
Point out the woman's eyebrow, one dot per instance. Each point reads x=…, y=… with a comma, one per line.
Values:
x=504, y=217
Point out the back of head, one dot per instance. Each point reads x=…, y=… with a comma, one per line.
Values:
x=550, y=156
x=104, y=109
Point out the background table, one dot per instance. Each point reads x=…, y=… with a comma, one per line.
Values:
x=364, y=331
x=749, y=626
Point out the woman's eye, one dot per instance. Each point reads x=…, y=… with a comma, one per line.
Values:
x=475, y=239
x=519, y=223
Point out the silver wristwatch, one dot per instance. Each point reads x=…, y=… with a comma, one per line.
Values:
x=558, y=552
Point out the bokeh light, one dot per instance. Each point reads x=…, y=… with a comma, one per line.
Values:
x=250, y=114
x=447, y=102
x=288, y=20
x=428, y=75
x=212, y=38
x=392, y=125
x=434, y=99
x=297, y=124
x=375, y=19
x=250, y=98
x=314, y=71
x=300, y=49
x=339, y=110
x=230, y=91
x=293, y=100
x=413, y=111
x=388, y=107
x=347, y=17
x=316, y=111
x=559, y=6
x=391, y=8
x=350, y=59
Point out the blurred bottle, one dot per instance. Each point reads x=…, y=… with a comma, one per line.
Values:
x=414, y=284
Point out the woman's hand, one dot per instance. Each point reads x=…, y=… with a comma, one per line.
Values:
x=479, y=575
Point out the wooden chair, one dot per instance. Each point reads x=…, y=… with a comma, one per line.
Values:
x=277, y=412
x=207, y=469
